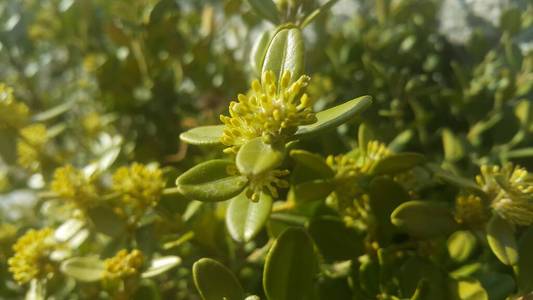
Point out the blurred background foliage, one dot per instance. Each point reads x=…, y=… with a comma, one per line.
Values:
x=110, y=82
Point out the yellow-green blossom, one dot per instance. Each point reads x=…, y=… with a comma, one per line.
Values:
x=74, y=186
x=470, y=210
x=510, y=190
x=269, y=111
x=12, y=113
x=269, y=181
x=31, y=258
x=124, y=264
x=140, y=186
x=30, y=145
x=348, y=198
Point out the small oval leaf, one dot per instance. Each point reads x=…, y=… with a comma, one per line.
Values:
x=245, y=218
x=266, y=9
x=257, y=54
x=106, y=221
x=290, y=267
x=210, y=181
x=203, y=135
x=160, y=265
x=414, y=217
x=314, y=190
x=502, y=242
x=256, y=157
x=314, y=162
x=461, y=244
x=285, y=52
x=215, y=282
x=397, y=163
x=335, y=116
x=84, y=268
x=469, y=290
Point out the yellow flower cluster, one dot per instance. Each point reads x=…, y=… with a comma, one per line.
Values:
x=140, y=186
x=269, y=111
x=124, y=264
x=31, y=144
x=12, y=113
x=31, y=258
x=72, y=185
x=470, y=210
x=510, y=189
x=268, y=181
x=348, y=198
x=346, y=166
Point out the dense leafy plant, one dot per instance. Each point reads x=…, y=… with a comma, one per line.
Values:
x=414, y=189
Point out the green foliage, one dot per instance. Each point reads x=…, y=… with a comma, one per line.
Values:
x=417, y=188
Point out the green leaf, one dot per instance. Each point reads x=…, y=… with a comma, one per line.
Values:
x=456, y=180
x=335, y=116
x=203, y=135
x=498, y=285
x=461, y=244
x=37, y=290
x=285, y=52
x=311, y=190
x=160, y=265
x=266, y=9
x=424, y=219
x=290, y=267
x=245, y=218
x=215, y=282
x=257, y=54
x=385, y=195
x=334, y=240
x=502, y=242
x=453, y=148
x=414, y=270
x=210, y=181
x=469, y=290
x=397, y=163
x=53, y=112
x=317, y=12
x=520, y=153
x=84, y=268
x=314, y=162
x=364, y=136
x=525, y=261
x=256, y=157
x=106, y=221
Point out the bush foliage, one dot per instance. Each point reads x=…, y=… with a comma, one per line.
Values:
x=266, y=149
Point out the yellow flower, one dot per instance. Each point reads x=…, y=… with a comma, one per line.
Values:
x=269, y=111
x=12, y=113
x=470, y=210
x=348, y=198
x=31, y=258
x=347, y=166
x=124, y=264
x=139, y=185
x=72, y=185
x=510, y=190
x=268, y=181
x=31, y=144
